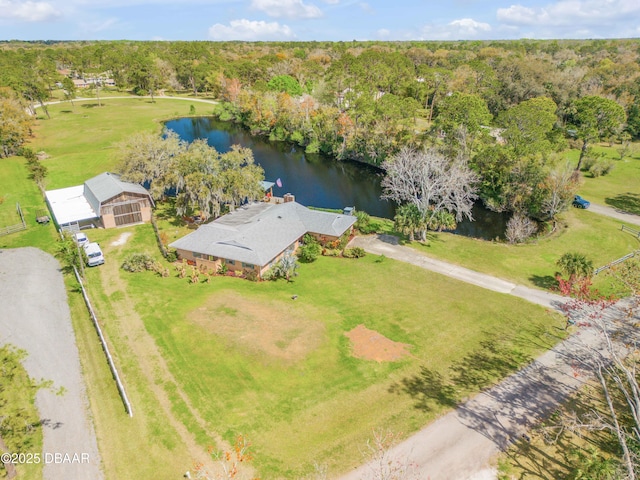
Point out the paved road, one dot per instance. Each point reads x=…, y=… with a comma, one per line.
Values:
x=615, y=213
x=35, y=317
x=461, y=444
x=388, y=246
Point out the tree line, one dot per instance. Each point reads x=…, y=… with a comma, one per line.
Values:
x=506, y=107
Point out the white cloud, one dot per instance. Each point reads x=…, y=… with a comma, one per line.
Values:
x=578, y=13
x=28, y=11
x=287, y=8
x=250, y=30
x=462, y=29
x=383, y=33
x=332, y=2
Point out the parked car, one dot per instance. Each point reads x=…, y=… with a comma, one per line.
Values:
x=80, y=238
x=93, y=254
x=580, y=202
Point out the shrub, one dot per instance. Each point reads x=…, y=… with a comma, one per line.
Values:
x=601, y=167
x=251, y=275
x=309, y=252
x=139, y=262
x=331, y=252
x=172, y=256
x=355, y=252
x=363, y=221
x=519, y=228
x=343, y=240
x=222, y=269
x=313, y=147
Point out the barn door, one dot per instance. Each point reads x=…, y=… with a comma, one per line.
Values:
x=127, y=213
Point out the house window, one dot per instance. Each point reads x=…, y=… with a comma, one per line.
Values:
x=197, y=255
x=211, y=258
x=231, y=262
x=247, y=265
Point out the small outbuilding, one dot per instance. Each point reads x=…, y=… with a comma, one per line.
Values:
x=102, y=201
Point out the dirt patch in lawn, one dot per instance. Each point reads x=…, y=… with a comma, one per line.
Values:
x=122, y=239
x=370, y=345
x=282, y=329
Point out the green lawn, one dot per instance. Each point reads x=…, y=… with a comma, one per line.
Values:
x=620, y=188
x=80, y=140
x=204, y=362
x=600, y=238
x=251, y=360
x=17, y=187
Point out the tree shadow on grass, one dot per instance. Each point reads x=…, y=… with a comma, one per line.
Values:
x=626, y=202
x=428, y=388
x=482, y=367
x=547, y=282
x=89, y=105
x=169, y=214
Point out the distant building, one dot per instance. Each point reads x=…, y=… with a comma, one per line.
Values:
x=257, y=236
x=102, y=201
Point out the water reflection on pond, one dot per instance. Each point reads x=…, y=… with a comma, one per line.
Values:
x=317, y=180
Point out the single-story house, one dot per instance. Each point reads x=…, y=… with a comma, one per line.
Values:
x=256, y=236
x=102, y=201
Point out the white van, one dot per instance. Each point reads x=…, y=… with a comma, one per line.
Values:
x=94, y=254
x=81, y=239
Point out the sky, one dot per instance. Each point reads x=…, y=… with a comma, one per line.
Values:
x=307, y=20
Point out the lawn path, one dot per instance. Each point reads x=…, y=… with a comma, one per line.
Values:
x=462, y=444
x=36, y=317
x=388, y=246
x=136, y=341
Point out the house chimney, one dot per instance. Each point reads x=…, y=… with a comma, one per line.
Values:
x=289, y=198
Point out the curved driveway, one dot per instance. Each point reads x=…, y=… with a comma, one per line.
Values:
x=388, y=246
x=35, y=317
x=615, y=213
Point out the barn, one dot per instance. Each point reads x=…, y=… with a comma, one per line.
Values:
x=102, y=201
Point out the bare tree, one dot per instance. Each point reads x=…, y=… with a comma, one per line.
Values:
x=613, y=363
x=519, y=228
x=562, y=183
x=431, y=182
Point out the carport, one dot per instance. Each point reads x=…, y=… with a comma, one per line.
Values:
x=70, y=208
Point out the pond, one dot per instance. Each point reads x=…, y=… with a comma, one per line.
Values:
x=317, y=180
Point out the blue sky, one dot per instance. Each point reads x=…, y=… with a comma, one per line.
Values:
x=317, y=19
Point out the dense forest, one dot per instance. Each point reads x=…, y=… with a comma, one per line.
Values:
x=506, y=107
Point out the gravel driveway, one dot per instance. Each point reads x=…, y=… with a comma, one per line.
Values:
x=36, y=318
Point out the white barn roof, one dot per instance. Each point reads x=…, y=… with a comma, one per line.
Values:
x=69, y=205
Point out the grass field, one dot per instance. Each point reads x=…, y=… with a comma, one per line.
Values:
x=17, y=187
x=242, y=357
x=81, y=140
x=620, y=188
x=598, y=237
x=205, y=362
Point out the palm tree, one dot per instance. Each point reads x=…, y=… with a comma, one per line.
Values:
x=287, y=266
x=575, y=265
x=441, y=220
x=408, y=220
